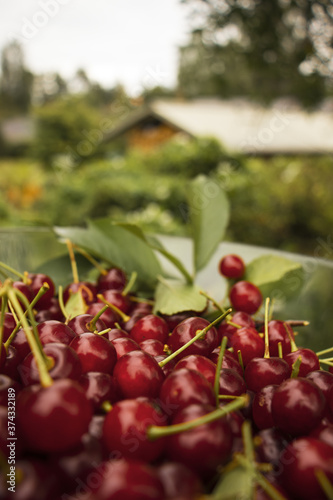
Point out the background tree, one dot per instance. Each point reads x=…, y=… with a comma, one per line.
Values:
x=261, y=49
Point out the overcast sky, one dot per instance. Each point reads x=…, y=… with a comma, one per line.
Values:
x=133, y=42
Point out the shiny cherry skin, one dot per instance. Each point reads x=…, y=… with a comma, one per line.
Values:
x=139, y=310
x=260, y=372
x=53, y=419
x=231, y=383
x=184, y=387
x=95, y=352
x=126, y=479
x=279, y=332
x=66, y=364
x=324, y=380
x=270, y=443
x=191, y=446
x=173, y=320
x=189, y=328
x=55, y=331
x=81, y=324
x=5, y=384
x=116, y=333
x=125, y=430
x=53, y=311
x=25, y=290
x=229, y=360
x=262, y=407
x=138, y=374
x=21, y=344
x=153, y=347
x=109, y=317
x=123, y=345
x=36, y=281
x=299, y=462
x=249, y=343
x=245, y=296
x=116, y=298
x=11, y=364
x=150, y=326
x=231, y=266
x=324, y=432
x=99, y=387
x=298, y=406
x=9, y=324
x=179, y=481
x=199, y=363
x=113, y=279
x=310, y=361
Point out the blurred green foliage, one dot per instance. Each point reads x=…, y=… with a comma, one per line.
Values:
x=279, y=202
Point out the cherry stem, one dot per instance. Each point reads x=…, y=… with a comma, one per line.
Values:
x=93, y=261
x=35, y=346
x=296, y=366
x=102, y=332
x=248, y=441
x=240, y=358
x=325, y=483
x=233, y=324
x=194, y=339
x=73, y=261
x=266, y=353
x=271, y=491
x=92, y=324
x=328, y=362
x=325, y=351
x=293, y=345
x=12, y=270
x=156, y=431
x=116, y=309
x=213, y=301
x=61, y=303
x=43, y=289
x=130, y=283
x=280, y=350
x=218, y=368
x=297, y=322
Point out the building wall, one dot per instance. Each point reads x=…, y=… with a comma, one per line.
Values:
x=148, y=138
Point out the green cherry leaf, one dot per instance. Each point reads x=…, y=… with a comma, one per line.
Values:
x=278, y=277
x=235, y=483
x=75, y=305
x=173, y=296
x=209, y=216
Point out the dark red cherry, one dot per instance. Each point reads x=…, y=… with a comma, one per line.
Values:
x=116, y=333
x=242, y=318
x=8, y=383
x=299, y=462
x=53, y=311
x=231, y=383
x=298, y=406
x=184, y=387
x=260, y=372
x=199, y=363
x=231, y=266
x=36, y=281
x=173, y=320
x=138, y=374
x=229, y=360
x=310, y=361
x=21, y=344
x=150, y=327
x=245, y=296
x=12, y=362
x=25, y=290
x=109, y=317
x=262, y=407
x=279, y=332
x=126, y=479
x=125, y=430
x=95, y=352
x=53, y=418
x=66, y=364
x=249, y=343
x=9, y=324
x=117, y=299
x=123, y=345
x=153, y=347
x=189, y=328
x=99, y=387
x=323, y=379
x=139, y=310
x=85, y=288
x=112, y=279
x=213, y=441
x=179, y=481
x=55, y=331
x=82, y=323
x=324, y=432
x=270, y=443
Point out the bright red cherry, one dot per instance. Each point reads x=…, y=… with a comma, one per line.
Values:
x=55, y=331
x=309, y=363
x=125, y=430
x=82, y=323
x=279, y=332
x=138, y=374
x=231, y=266
x=189, y=328
x=99, y=387
x=37, y=280
x=248, y=341
x=199, y=363
x=96, y=353
x=260, y=372
x=150, y=327
x=245, y=296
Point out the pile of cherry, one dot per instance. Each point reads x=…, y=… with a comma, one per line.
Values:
x=109, y=406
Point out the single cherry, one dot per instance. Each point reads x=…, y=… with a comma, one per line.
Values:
x=189, y=328
x=245, y=296
x=95, y=352
x=150, y=327
x=231, y=266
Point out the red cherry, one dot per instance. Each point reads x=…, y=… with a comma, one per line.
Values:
x=191, y=446
x=298, y=406
x=88, y=291
x=99, y=387
x=229, y=360
x=249, y=343
x=245, y=296
x=260, y=372
x=109, y=317
x=96, y=353
x=279, y=332
x=310, y=360
x=123, y=345
x=150, y=327
x=186, y=330
x=53, y=418
x=153, y=347
x=200, y=364
x=262, y=407
x=179, y=481
x=116, y=298
x=299, y=462
x=231, y=383
x=125, y=430
x=55, y=331
x=138, y=374
x=231, y=266
x=81, y=324
x=9, y=324
x=37, y=280
x=113, y=279
x=270, y=443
